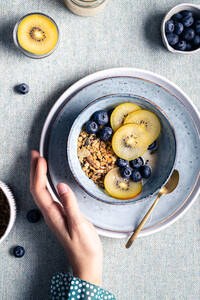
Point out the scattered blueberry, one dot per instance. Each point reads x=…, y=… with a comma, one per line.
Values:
x=105, y=134
x=169, y=26
x=187, y=21
x=186, y=13
x=178, y=28
x=145, y=171
x=136, y=176
x=33, y=215
x=172, y=38
x=188, y=47
x=91, y=127
x=126, y=172
x=188, y=34
x=197, y=41
x=177, y=17
x=181, y=46
x=122, y=162
x=136, y=163
x=101, y=117
x=197, y=26
x=18, y=251
x=22, y=88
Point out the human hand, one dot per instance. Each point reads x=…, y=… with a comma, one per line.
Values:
x=75, y=233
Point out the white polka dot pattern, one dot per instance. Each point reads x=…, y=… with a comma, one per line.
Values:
x=66, y=287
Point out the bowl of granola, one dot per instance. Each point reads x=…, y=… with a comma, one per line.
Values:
x=121, y=148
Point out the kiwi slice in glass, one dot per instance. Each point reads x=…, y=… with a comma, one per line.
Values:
x=37, y=34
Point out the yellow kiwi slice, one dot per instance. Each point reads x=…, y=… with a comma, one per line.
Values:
x=120, y=112
x=148, y=120
x=121, y=188
x=130, y=141
x=37, y=34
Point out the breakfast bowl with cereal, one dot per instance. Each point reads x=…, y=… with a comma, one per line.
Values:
x=121, y=148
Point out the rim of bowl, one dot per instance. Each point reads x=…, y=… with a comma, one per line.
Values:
x=167, y=17
x=12, y=205
x=115, y=200
x=24, y=51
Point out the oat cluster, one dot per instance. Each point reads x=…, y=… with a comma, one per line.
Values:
x=96, y=157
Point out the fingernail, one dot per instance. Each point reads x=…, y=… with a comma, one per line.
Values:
x=62, y=189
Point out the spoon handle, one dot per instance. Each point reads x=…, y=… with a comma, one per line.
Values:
x=137, y=231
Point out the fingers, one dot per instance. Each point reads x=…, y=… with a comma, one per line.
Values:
x=52, y=211
x=34, y=159
x=70, y=204
x=42, y=196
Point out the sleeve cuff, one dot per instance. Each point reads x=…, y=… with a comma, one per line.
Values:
x=66, y=287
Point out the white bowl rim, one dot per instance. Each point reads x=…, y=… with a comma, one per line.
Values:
x=167, y=17
x=12, y=205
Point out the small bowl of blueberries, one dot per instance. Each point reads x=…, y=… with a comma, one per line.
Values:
x=181, y=29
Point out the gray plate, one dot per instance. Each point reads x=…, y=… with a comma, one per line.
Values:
x=120, y=220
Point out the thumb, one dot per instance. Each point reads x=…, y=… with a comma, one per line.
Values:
x=69, y=202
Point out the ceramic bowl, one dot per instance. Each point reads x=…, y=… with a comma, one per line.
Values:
x=184, y=6
x=11, y=202
x=165, y=155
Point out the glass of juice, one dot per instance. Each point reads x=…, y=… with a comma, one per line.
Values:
x=86, y=8
x=36, y=35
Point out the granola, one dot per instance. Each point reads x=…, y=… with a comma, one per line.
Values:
x=96, y=157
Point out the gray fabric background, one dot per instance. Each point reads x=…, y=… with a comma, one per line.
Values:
x=127, y=33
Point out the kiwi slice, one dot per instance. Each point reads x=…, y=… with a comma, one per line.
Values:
x=37, y=34
x=147, y=120
x=130, y=141
x=121, y=188
x=120, y=112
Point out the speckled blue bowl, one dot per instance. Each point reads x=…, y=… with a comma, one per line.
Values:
x=165, y=155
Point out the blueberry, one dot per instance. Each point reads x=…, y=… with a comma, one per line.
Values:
x=172, y=38
x=18, y=251
x=122, y=162
x=22, y=88
x=188, y=34
x=101, y=117
x=187, y=21
x=33, y=215
x=136, y=163
x=178, y=28
x=177, y=17
x=126, y=172
x=145, y=171
x=153, y=146
x=169, y=26
x=188, y=47
x=197, y=26
x=181, y=46
x=197, y=41
x=110, y=112
x=186, y=13
x=136, y=176
x=105, y=134
x=91, y=127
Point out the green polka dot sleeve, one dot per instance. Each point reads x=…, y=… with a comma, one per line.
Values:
x=66, y=287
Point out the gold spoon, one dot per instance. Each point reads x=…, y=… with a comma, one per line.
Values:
x=168, y=188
